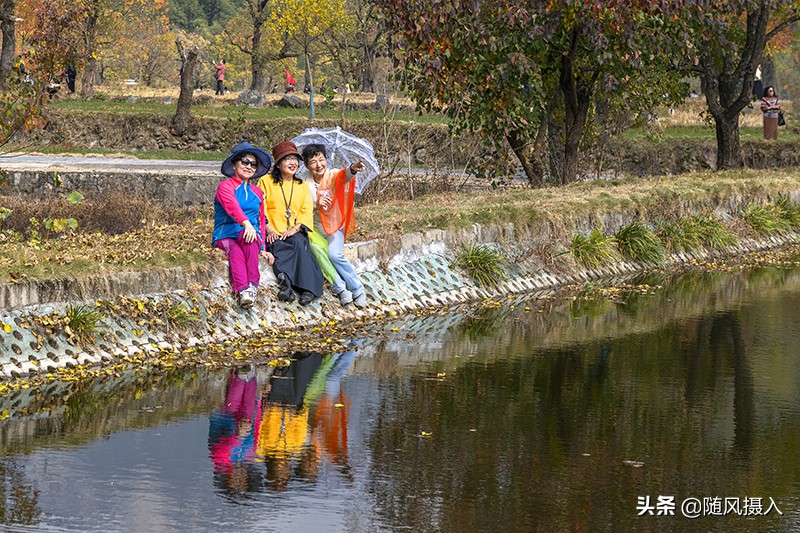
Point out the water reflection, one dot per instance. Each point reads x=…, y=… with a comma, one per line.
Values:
x=498, y=418
x=284, y=431
x=272, y=430
x=19, y=498
x=232, y=433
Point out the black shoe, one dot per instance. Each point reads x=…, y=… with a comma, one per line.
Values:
x=286, y=294
x=306, y=297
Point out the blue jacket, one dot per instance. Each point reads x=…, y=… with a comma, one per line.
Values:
x=235, y=202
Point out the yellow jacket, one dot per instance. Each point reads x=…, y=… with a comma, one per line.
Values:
x=276, y=197
x=283, y=431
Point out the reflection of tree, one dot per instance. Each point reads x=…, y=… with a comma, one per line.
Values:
x=726, y=335
x=85, y=410
x=482, y=322
x=20, y=499
x=520, y=442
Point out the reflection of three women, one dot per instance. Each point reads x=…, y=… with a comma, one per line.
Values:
x=298, y=417
x=275, y=217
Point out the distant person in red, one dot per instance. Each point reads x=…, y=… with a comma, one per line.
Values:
x=220, y=77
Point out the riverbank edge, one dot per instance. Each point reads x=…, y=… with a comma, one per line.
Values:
x=403, y=276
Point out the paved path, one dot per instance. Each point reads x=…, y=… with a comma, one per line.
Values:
x=68, y=163
x=169, y=167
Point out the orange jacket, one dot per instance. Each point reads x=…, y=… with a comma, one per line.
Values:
x=341, y=213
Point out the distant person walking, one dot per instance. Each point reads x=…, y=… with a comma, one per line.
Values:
x=71, y=73
x=758, y=85
x=771, y=108
x=220, y=77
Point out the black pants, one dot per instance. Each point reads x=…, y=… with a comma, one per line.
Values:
x=293, y=258
x=220, y=88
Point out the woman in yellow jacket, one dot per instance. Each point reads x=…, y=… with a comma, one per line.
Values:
x=289, y=209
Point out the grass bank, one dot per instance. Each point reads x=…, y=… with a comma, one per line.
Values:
x=229, y=110
x=120, y=232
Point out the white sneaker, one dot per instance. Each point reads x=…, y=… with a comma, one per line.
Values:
x=361, y=300
x=247, y=296
x=345, y=297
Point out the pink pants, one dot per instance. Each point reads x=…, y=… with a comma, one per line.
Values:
x=242, y=259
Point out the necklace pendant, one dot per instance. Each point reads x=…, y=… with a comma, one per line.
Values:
x=288, y=213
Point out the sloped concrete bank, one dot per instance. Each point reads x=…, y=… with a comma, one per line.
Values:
x=405, y=274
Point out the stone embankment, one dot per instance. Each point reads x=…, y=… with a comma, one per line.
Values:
x=402, y=276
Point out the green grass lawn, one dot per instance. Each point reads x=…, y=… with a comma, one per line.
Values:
x=704, y=132
x=238, y=112
x=181, y=155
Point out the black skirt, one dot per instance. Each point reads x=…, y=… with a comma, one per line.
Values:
x=293, y=258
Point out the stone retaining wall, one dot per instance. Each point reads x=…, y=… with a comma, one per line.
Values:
x=186, y=188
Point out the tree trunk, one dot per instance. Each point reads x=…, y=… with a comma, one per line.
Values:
x=729, y=154
x=310, y=82
x=768, y=74
x=89, y=43
x=183, y=116
x=368, y=71
x=258, y=63
x=88, y=78
x=577, y=98
x=9, y=44
x=573, y=130
x=531, y=164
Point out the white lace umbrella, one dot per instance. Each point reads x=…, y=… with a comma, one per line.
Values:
x=343, y=149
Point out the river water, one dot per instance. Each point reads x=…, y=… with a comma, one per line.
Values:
x=672, y=405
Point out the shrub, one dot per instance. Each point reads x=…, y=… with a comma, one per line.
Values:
x=592, y=251
x=710, y=231
x=112, y=212
x=484, y=265
x=789, y=210
x=676, y=239
x=84, y=323
x=637, y=242
x=766, y=219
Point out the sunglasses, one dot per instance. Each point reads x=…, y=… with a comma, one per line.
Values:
x=249, y=163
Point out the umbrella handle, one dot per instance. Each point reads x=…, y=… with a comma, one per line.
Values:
x=335, y=143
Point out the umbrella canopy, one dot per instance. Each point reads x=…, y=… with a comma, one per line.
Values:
x=343, y=149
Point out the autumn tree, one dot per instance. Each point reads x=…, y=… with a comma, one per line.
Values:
x=371, y=38
x=50, y=34
x=96, y=29
x=354, y=44
x=787, y=61
x=248, y=32
x=22, y=106
x=182, y=118
x=143, y=47
x=525, y=75
x=75, y=31
x=8, y=15
x=305, y=22
x=723, y=42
